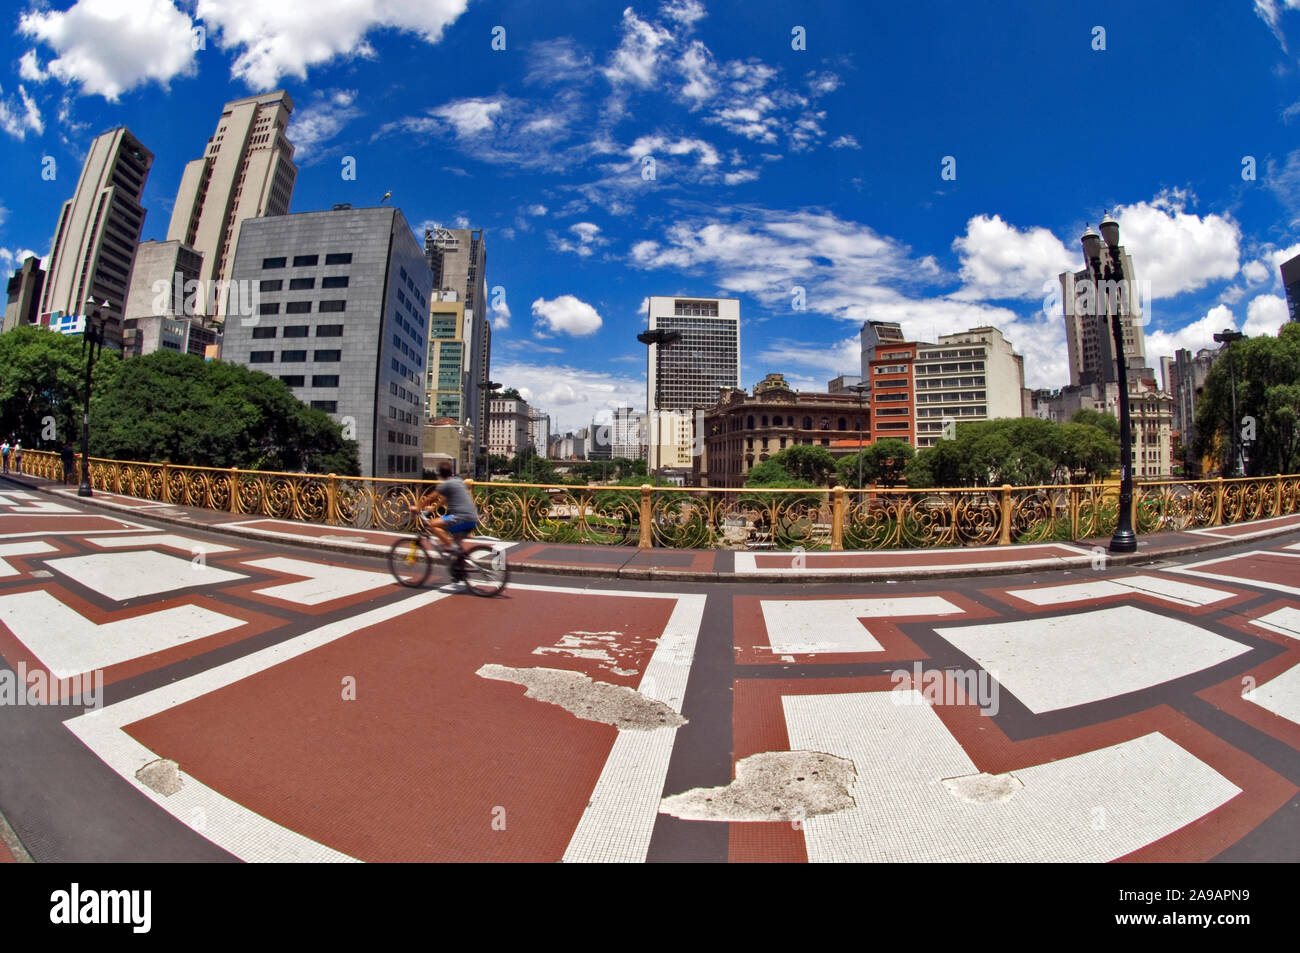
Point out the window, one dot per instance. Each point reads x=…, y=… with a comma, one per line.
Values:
x=328, y=356
x=272, y=262
x=298, y=307
x=261, y=357
x=293, y=380
x=807, y=423
x=329, y=406
x=293, y=357
x=265, y=308
x=296, y=331
x=333, y=306
x=325, y=380
x=334, y=281
x=339, y=258
x=302, y=261
x=270, y=284
x=301, y=284
x=329, y=330
x=263, y=333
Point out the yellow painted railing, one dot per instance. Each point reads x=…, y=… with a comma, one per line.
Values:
x=711, y=518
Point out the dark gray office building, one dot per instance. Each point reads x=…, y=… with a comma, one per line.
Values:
x=1291, y=281
x=342, y=318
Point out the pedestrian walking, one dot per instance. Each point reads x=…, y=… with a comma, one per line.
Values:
x=4, y=453
x=18, y=457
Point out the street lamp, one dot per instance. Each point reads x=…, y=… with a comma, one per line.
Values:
x=861, y=388
x=92, y=343
x=488, y=386
x=657, y=338
x=1226, y=337
x=1108, y=273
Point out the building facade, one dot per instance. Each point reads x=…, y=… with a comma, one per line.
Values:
x=447, y=358
x=457, y=257
x=94, y=243
x=892, y=395
x=1291, y=282
x=343, y=321
x=973, y=375
x=508, y=427
x=871, y=337
x=23, y=294
x=1090, y=341
x=1184, y=376
x=742, y=430
x=628, y=434
x=245, y=172
x=684, y=377
x=162, y=311
x=539, y=431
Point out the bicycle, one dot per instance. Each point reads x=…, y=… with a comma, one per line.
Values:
x=482, y=568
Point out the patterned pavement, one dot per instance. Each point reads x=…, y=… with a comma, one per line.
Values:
x=258, y=696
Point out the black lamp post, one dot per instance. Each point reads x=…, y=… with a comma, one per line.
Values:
x=1226, y=337
x=658, y=338
x=861, y=388
x=1107, y=273
x=92, y=343
x=488, y=386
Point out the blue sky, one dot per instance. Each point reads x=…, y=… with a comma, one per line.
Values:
x=613, y=152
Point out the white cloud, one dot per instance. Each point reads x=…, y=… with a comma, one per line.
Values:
x=845, y=142
x=535, y=210
x=321, y=120
x=736, y=178
x=1270, y=11
x=1175, y=250
x=1256, y=272
x=685, y=12
x=566, y=315
x=587, y=238
x=1199, y=334
x=572, y=396
x=17, y=120
x=500, y=312
x=284, y=39
x=1000, y=261
x=470, y=116
x=659, y=146
x=108, y=47
x=637, y=59
x=1265, y=315
x=29, y=68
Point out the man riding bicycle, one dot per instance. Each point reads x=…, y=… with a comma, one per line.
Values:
x=462, y=514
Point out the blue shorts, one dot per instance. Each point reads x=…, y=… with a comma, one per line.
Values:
x=453, y=525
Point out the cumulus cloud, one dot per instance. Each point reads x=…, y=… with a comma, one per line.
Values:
x=29, y=68
x=1265, y=315
x=586, y=238
x=1194, y=336
x=566, y=315
x=1175, y=250
x=1000, y=261
x=107, y=47
x=18, y=120
x=284, y=39
x=845, y=142
x=572, y=396
x=321, y=120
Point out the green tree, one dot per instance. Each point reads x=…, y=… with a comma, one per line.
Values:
x=179, y=408
x=508, y=394
x=1087, y=451
x=1108, y=423
x=883, y=462
x=42, y=383
x=806, y=463
x=1267, y=373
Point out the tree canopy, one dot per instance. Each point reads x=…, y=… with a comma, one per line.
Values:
x=1019, y=451
x=797, y=466
x=1267, y=372
x=882, y=462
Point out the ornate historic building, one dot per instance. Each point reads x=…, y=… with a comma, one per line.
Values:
x=741, y=430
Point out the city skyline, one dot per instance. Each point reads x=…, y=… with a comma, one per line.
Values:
x=807, y=182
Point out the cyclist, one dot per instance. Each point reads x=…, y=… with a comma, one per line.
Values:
x=462, y=515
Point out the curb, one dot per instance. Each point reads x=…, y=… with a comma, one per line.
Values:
x=655, y=574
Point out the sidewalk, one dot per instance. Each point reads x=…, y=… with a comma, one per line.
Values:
x=696, y=565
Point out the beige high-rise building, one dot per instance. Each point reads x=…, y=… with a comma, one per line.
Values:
x=971, y=375
x=94, y=244
x=458, y=259
x=247, y=171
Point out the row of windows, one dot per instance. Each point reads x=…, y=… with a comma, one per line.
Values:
x=405, y=439
x=306, y=261
x=303, y=284
x=410, y=396
x=951, y=382
x=302, y=307
x=317, y=380
x=295, y=357
x=300, y=331
x=950, y=395
x=923, y=369
x=890, y=369
x=398, y=464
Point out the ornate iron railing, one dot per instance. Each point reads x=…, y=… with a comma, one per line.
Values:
x=711, y=518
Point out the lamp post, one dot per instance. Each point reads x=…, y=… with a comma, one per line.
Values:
x=1226, y=337
x=1107, y=273
x=656, y=338
x=861, y=388
x=92, y=343
x=489, y=386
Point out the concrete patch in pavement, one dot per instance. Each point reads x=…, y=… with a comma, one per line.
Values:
x=772, y=786
x=624, y=708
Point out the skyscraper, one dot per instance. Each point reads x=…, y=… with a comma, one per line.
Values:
x=1291, y=281
x=94, y=243
x=1089, y=340
x=688, y=374
x=344, y=311
x=458, y=259
x=246, y=172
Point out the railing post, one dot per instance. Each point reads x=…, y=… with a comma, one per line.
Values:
x=1004, y=539
x=837, y=518
x=1218, y=502
x=166, y=485
x=234, y=490
x=1277, y=495
x=646, y=511
x=332, y=500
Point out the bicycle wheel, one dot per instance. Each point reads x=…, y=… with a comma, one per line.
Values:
x=410, y=562
x=486, y=572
